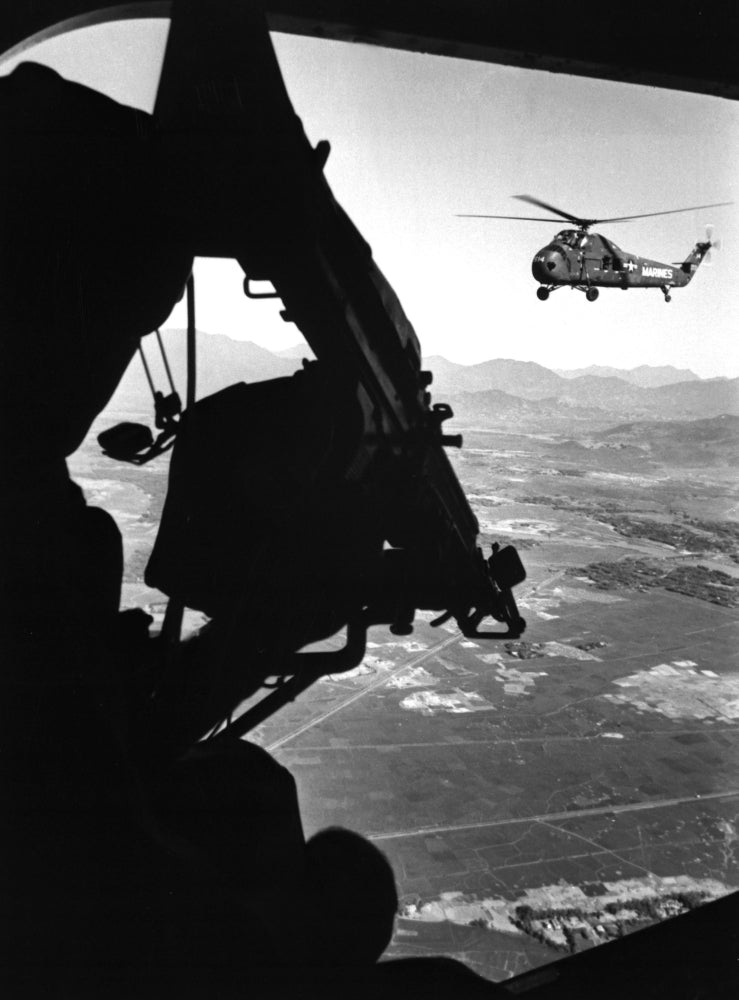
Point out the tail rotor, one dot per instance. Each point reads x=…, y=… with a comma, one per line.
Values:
x=712, y=245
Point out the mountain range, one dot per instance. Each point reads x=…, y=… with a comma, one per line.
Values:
x=675, y=442
x=221, y=361
x=491, y=393
x=646, y=376
x=498, y=389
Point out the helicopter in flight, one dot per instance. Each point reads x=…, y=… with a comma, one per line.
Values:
x=577, y=258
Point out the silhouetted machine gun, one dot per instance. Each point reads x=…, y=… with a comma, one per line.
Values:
x=302, y=505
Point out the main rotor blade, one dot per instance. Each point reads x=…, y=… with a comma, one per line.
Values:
x=672, y=211
x=586, y=223
x=549, y=208
x=525, y=218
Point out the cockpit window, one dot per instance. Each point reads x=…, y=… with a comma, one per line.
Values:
x=567, y=236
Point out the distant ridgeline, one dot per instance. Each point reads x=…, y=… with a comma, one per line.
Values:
x=494, y=394
x=525, y=391
x=221, y=362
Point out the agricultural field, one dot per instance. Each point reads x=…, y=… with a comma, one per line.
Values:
x=542, y=795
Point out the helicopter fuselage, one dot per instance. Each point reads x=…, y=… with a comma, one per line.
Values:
x=586, y=260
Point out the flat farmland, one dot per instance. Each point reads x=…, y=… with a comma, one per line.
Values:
x=598, y=754
x=590, y=765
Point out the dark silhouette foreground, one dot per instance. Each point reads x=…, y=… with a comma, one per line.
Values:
x=132, y=866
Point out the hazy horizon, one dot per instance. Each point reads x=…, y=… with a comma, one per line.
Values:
x=169, y=328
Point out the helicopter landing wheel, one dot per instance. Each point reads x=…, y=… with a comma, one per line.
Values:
x=668, y=298
x=592, y=294
x=542, y=294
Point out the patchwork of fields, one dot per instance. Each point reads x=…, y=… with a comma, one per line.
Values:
x=596, y=759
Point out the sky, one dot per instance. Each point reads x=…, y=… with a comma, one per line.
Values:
x=417, y=139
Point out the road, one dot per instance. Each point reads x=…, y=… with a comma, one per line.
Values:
x=450, y=640
x=514, y=740
x=557, y=816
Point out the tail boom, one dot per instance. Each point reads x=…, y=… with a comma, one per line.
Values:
x=694, y=260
